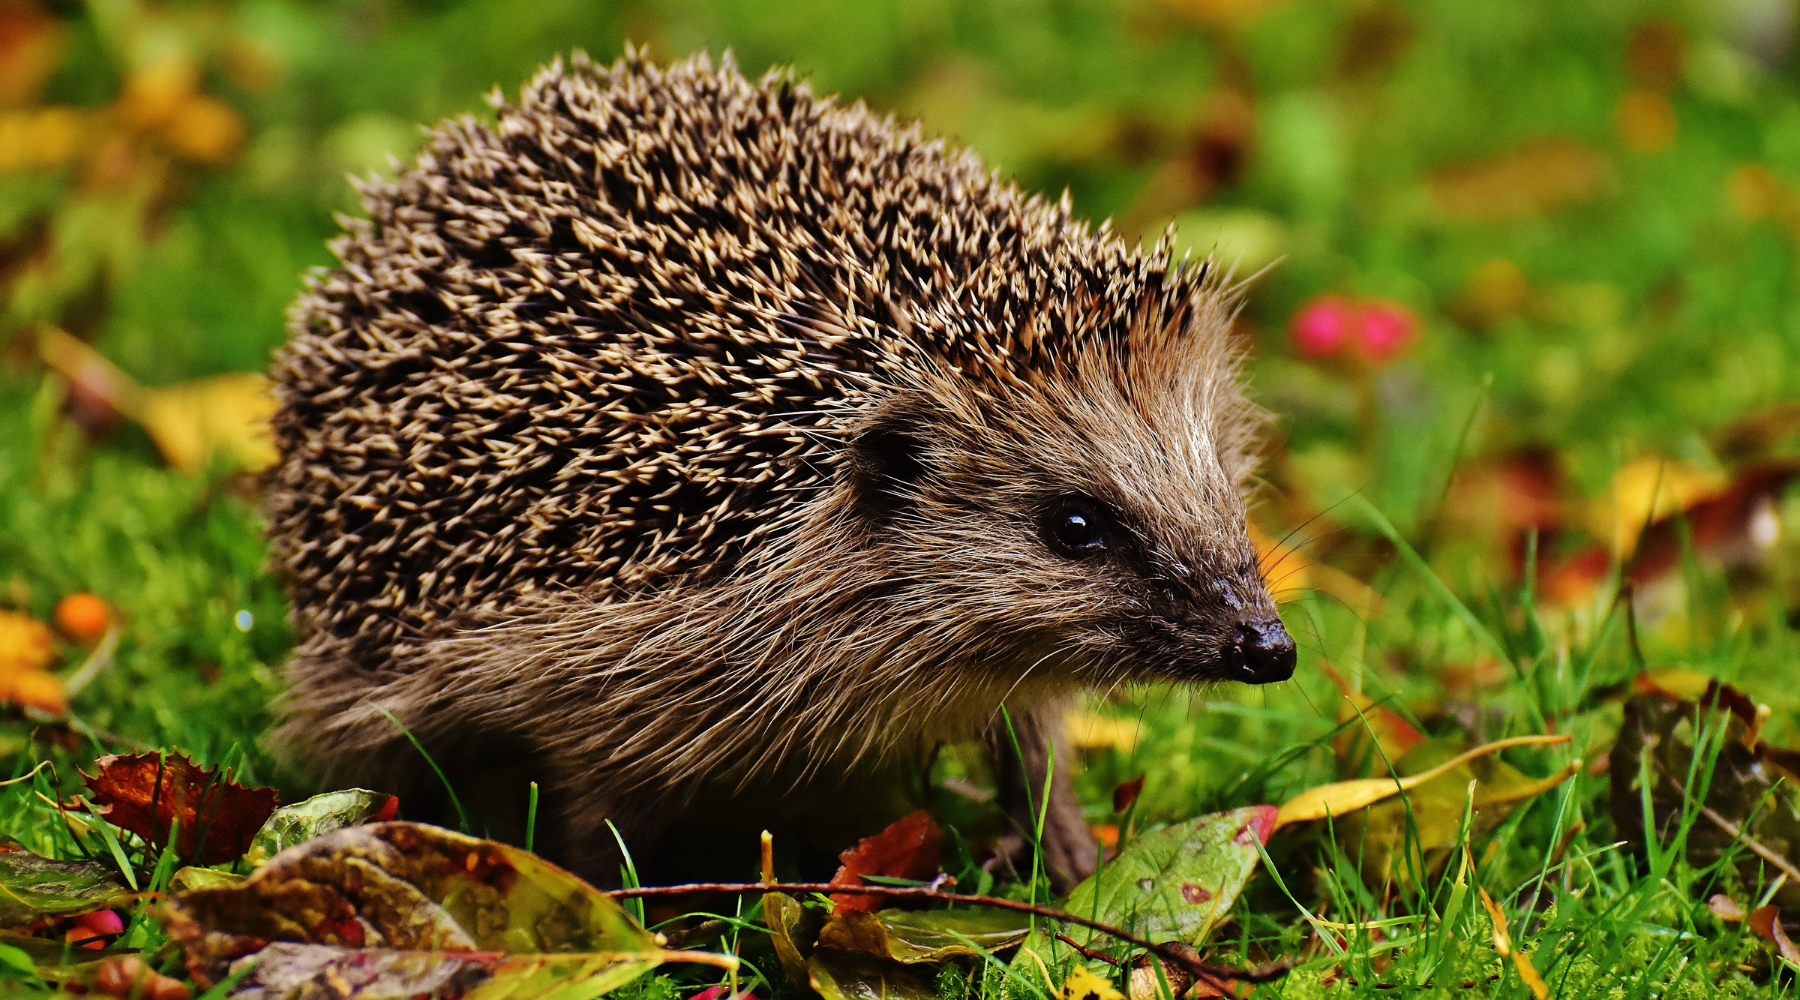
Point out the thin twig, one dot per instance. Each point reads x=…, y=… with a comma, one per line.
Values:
x=1785, y=866
x=1170, y=951
x=1087, y=952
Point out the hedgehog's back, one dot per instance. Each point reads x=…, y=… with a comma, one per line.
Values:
x=617, y=337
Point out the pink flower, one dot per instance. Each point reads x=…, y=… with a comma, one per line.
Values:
x=1377, y=330
x=1387, y=329
x=1322, y=326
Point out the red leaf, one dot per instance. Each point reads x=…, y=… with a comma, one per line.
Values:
x=1127, y=793
x=143, y=792
x=906, y=849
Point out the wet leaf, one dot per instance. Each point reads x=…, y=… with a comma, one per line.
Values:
x=295, y=824
x=32, y=886
x=143, y=792
x=407, y=887
x=1341, y=797
x=908, y=848
x=1176, y=883
x=840, y=975
x=914, y=936
x=191, y=878
x=793, y=927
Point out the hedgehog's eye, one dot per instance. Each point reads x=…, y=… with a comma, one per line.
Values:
x=1074, y=529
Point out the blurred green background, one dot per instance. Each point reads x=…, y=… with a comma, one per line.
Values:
x=1579, y=219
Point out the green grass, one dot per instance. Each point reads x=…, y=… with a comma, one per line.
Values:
x=1656, y=315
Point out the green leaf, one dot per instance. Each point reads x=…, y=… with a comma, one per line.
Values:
x=17, y=966
x=792, y=929
x=914, y=936
x=1176, y=883
x=32, y=886
x=295, y=824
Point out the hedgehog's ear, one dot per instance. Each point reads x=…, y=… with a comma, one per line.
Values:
x=887, y=458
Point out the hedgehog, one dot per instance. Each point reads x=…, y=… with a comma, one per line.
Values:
x=679, y=432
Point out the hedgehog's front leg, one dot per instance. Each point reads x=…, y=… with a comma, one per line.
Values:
x=1020, y=771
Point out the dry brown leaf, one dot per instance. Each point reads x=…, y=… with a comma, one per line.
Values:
x=144, y=792
x=1532, y=179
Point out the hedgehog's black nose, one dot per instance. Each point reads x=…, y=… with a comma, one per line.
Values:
x=1264, y=652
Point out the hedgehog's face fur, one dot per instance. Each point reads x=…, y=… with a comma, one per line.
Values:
x=1093, y=519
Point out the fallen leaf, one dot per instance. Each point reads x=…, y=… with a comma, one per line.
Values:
x=908, y=848
x=292, y=825
x=1725, y=908
x=1751, y=789
x=1361, y=717
x=398, y=896
x=34, y=689
x=1093, y=731
x=1126, y=793
x=33, y=887
x=793, y=929
x=1646, y=490
x=1083, y=984
x=24, y=643
x=128, y=978
x=31, y=45
x=1532, y=179
x=1738, y=524
x=837, y=975
x=143, y=792
x=190, y=422
x=205, y=129
x=1176, y=883
x=1342, y=797
x=918, y=936
x=1429, y=818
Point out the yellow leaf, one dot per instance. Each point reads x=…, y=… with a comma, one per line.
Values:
x=24, y=643
x=1342, y=797
x=1093, y=731
x=1082, y=984
x=225, y=414
x=190, y=422
x=1647, y=490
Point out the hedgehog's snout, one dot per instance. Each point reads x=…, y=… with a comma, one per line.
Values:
x=1262, y=653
